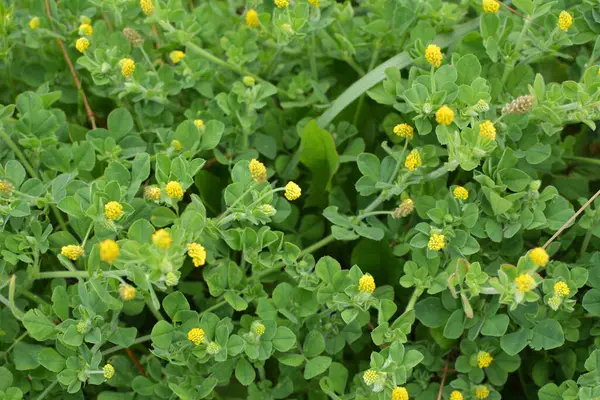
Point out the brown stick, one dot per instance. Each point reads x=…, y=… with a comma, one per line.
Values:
x=88, y=110
x=443, y=378
x=135, y=361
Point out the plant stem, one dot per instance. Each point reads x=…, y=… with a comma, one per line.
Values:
x=413, y=299
x=149, y=61
x=316, y=246
x=139, y=340
x=73, y=274
x=17, y=340
x=48, y=390
x=586, y=240
x=587, y=160
x=219, y=220
x=312, y=57
x=509, y=68
x=154, y=311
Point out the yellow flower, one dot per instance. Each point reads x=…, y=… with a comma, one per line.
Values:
x=86, y=30
x=561, y=289
x=456, y=395
x=252, y=18
x=82, y=44
x=147, y=6
x=400, y=393
x=539, y=256
x=482, y=392
x=176, y=144
x=554, y=302
x=292, y=191
x=366, y=284
x=72, y=251
x=196, y=336
x=565, y=20
x=197, y=253
x=433, y=54
x=490, y=6
x=176, y=56
x=113, y=210
x=461, y=193
x=162, y=239
x=109, y=250
x=127, y=67
x=268, y=209
x=34, y=23
x=6, y=187
x=525, y=282
x=171, y=279
x=249, y=81
x=174, y=190
x=413, y=160
x=444, y=115
x=199, y=124
x=436, y=242
x=152, y=193
x=314, y=3
x=258, y=171
x=109, y=371
x=282, y=3
x=484, y=359
x=370, y=376
x=404, y=130
x=487, y=130
x=258, y=328
x=127, y=292
x=213, y=348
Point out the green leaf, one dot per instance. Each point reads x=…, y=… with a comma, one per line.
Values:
x=244, y=372
x=455, y=325
x=292, y=360
x=591, y=301
x=123, y=337
x=236, y=301
x=175, y=302
x=515, y=179
x=525, y=5
x=120, y=123
x=496, y=325
x=284, y=339
x=546, y=335
x=212, y=134
x=141, y=231
x=513, y=343
x=431, y=313
x=316, y=366
x=314, y=344
x=51, y=360
x=15, y=173
x=26, y=356
x=468, y=68
x=6, y=378
x=38, y=325
x=162, y=334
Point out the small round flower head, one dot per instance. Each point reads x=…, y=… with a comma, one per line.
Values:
x=525, y=283
x=444, y=115
x=213, y=348
x=72, y=251
x=487, y=130
x=197, y=253
x=413, y=160
x=162, y=239
x=109, y=250
x=6, y=188
x=258, y=328
x=113, y=210
x=248, y=81
x=282, y=3
x=133, y=37
x=482, y=392
x=433, y=55
x=561, y=289
x=460, y=193
x=436, y=242
x=400, y=393
x=127, y=292
x=83, y=327
x=147, y=6
x=456, y=395
x=171, y=279
x=176, y=144
x=86, y=30
x=292, y=191
x=199, y=124
x=404, y=130
x=152, y=193
x=539, y=256
x=366, y=284
x=404, y=209
x=176, y=56
x=82, y=44
x=109, y=371
x=174, y=190
x=34, y=23
x=484, y=359
x=252, y=18
x=268, y=209
x=196, y=336
x=490, y=6
x=258, y=171
x=127, y=67
x=520, y=105
x=369, y=377
x=314, y=3
x=482, y=106
x=565, y=20
x=554, y=302
x=287, y=28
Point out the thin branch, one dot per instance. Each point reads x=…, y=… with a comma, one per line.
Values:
x=443, y=378
x=135, y=361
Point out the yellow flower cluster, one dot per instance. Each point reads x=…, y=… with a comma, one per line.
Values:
x=436, y=242
x=248, y=81
x=86, y=30
x=399, y=393
x=370, y=376
x=126, y=292
x=565, y=20
x=460, y=193
x=213, y=348
x=491, y=6
x=34, y=23
x=176, y=56
x=484, y=359
x=258, y=328
x=162, y=239
x=196, y=336
x=113, y=210
x=72, y=251
x=314, y=3
x=487, y=130
x=174, y=190
x=152, y=193
x=456, y=395
x=539, y=256
x=197, y=254
x=366, y=284
x=282, y=3
x=127, y=67
x=258, y=171
x=433, y=55
x=561, y=289
x=404, y=130
x=6, y=187
x=252, y=18
x=292, y=191
x=108, y=371
x=199, y=124
x=525, y=283
x=147, y=6
x=482, y=392
x=444, y=115
x=176, y=144
x=82, y=44
x=109, y=250
x=413, y=160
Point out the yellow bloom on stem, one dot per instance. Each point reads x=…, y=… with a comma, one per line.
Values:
x=86, y=30
x=257, y=328
x=174, y=190
x=258, y=171
x=34, y=23
x=196, y=336
x=366, y=284
x=197, y=253
x=176, y=56
x=370, y=376
x=436, y=242
x=525, y=283
x=6, y=187
x=484, y=359
x=109, y=250
x=444, y=115
x=72, y=251
x=565, y=20
x=282, y=3
x=539, y=256
x=404, y=130
x=248, y=81
x=109, y=371
x=147, y=6
x=176, y=144
x=490, y=6
x=292, y=191
x=126, y=292
x=400, y=393
x=433, y=55
x=199, y=124
x=482, y=392
x=113, y=210
x=152, y=193
x=314, y=3
x=460, y=193
x=456, y=395
x=82, y=44
x=127, y=67
x=554, y=302
x=487, y=130
x=252, y=18
x=162, y=239
x=413, y=160
x=561, y=289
